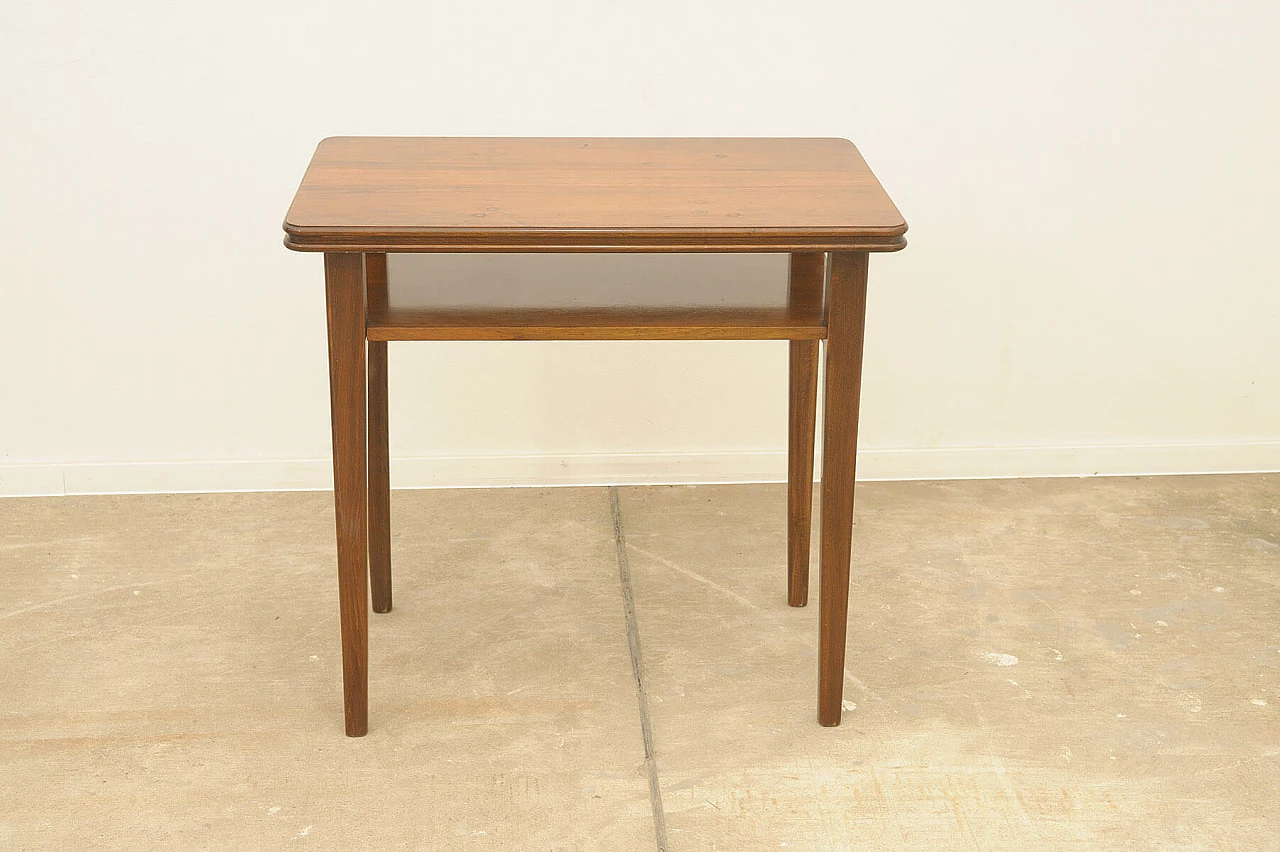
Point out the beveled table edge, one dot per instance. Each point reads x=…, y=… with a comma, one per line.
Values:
x=441, y=240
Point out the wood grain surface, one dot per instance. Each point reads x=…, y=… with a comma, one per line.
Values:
x=567, y=194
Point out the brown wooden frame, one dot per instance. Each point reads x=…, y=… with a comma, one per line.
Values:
x=342, y=209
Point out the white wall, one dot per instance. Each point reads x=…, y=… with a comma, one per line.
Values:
x=1091, y=283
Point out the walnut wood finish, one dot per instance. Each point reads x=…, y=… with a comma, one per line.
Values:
x=846, y=320
x=468, y=194
x=345, y=295
x=808, y=272
x=364, y=197
x=375, y=270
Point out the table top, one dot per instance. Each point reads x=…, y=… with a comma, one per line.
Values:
x=398, y=194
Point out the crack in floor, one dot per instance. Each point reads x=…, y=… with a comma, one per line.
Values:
x=637, y=669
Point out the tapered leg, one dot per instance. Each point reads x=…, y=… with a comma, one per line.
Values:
x=808, y=271
x=800, y=434
x=379, y=480
x=375, y=268
x=846, y=319
x=345, y=297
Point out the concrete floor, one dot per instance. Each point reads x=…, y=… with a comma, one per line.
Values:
x=1032, y=664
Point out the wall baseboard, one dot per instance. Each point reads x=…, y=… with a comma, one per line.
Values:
x=640, y=468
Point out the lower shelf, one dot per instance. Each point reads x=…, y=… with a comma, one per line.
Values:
x=594, y=297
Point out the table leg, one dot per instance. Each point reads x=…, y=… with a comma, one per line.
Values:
x=375, y=269
x=846, y=319
x=808, y=273
x=379, y=480
x=345, y=297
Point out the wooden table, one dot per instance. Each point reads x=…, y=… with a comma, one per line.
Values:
x=815, y=199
